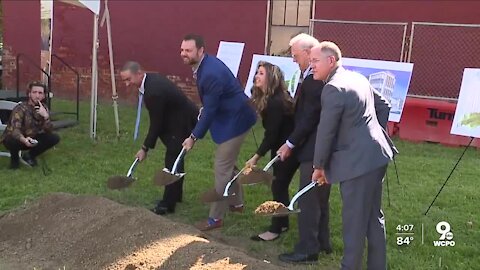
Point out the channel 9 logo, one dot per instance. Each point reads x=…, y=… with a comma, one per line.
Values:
x=446, y=236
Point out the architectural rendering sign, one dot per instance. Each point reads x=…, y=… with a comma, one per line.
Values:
x=391, y=79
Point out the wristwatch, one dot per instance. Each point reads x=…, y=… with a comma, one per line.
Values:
x=144, y=148
x=193, y=137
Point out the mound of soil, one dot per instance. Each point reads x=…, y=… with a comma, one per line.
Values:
x=62, y=231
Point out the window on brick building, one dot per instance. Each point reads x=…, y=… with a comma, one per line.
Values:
x=291, y=12
x=287, y=19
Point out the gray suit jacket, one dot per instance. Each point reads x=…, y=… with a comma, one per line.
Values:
x=350, y=138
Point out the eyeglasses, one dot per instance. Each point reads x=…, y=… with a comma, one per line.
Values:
x=316, y=60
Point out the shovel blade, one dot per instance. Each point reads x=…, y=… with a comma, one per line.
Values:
x=274, y=209
x=282, y=212
x=211, y=195
x=256, y=176
x=165, y=177
x=119, y=182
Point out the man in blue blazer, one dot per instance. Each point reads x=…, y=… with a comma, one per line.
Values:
x=226, y=113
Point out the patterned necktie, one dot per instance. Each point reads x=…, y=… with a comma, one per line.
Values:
x=139, y=113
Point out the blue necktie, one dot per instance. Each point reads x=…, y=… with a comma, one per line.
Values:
x=139, y=113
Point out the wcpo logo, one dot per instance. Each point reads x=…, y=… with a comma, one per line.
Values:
x=446, y=236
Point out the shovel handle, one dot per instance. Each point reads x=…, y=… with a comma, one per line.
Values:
x=227, y=187
x=270, y=163
x=300, y=193
x=132, y=168
x=179, y=157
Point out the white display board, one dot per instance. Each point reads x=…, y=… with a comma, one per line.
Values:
x=467, y=115
x=231, y=54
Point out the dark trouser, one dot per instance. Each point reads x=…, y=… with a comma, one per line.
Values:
x=313, y=228
x=283, y=172
x=173, y=192
x=362, y=217
x=45, y=142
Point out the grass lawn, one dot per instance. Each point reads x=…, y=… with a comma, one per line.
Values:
x=80, y=166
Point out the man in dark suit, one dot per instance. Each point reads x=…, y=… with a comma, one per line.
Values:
x=172, y=118
x=226, y=113
x=313, y=219
x=353, y=149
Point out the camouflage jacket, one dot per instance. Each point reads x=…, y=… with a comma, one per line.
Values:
x=25, y=122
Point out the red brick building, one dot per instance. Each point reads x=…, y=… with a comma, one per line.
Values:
x=151, y=31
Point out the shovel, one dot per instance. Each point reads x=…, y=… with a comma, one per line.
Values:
x=165, y=177
x=212, y=195
x=120, y=181
x=283, y=210
x=229, y=184
x=257, y=175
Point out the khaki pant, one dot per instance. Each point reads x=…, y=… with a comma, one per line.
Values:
x=225, y=158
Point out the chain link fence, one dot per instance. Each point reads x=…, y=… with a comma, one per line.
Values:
x=368, y=40
x=440, y=52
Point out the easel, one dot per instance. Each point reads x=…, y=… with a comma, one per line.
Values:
x=451, y=172
x=395, y=165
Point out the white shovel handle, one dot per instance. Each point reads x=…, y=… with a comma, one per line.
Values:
x=269, y=164
x=300, y=193
x=227, y=187
x=180, y=155
x=132, y=168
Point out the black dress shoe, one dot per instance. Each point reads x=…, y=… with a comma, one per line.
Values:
x=162, y=210
x=164, y=204
x=298, y=258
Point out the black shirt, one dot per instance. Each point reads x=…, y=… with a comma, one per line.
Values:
x=277, y=120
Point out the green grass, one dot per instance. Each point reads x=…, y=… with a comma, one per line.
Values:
x=80, y=166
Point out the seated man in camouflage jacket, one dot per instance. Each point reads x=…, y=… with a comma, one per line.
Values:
x=29, y=128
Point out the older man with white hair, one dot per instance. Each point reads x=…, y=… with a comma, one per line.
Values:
x=353, y=149
x=313, y=227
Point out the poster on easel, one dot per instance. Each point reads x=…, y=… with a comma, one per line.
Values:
x=290, y=69
x=466, y=121
x=390, y=78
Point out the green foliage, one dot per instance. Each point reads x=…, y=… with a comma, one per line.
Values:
x=472, y=120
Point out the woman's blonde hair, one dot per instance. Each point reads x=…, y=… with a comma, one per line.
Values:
x=275, y=82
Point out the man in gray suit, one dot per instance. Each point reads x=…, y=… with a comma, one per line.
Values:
x=352, y=149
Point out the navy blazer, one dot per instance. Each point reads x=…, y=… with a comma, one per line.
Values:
x=226, y=112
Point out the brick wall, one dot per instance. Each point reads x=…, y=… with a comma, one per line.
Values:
x=149, y=32
x=20, y=37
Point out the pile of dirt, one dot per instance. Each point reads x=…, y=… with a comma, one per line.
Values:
x=62, y=231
